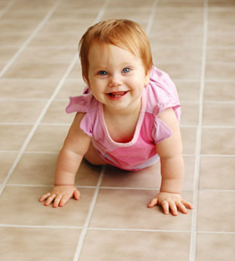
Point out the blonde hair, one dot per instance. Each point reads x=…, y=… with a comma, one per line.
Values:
x=123, y=33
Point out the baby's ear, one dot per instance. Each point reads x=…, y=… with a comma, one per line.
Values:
x=147, y=79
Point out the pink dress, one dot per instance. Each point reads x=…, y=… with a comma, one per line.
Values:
x=141, y=151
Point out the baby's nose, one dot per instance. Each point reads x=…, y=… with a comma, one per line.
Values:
x=115, y=80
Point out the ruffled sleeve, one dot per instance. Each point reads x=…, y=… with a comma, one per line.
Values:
x=161, y=94
x=87, y=104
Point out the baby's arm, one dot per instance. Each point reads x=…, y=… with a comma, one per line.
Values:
x=75, y=146
x=172, y=169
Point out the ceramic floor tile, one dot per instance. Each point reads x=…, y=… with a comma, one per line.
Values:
x=56, y=113
x=8, y=134
x=48, y=138
x=188, y=136
x=220, y=71
x=27, y=89
x=218, y=141
x=118, y=208
x=188, y=91
x=190, y=113
x=219, y=247
x=34, y=71
x=6, y=160
x=177, y=54
x=219, y=91
x=51, y=55
x=130, y=246
x=218, y=114
x=147, y=178
x=181, y=71
x=20, y=111
x=39, y=168
x=221, y=21
x=215, y=211
x=71, y=87
x=217, y=173
x=7, y=53
x=221, y=38
x=14, y=39
x=20, y=206
x=27, y=244
x=220, y=54
x=56, y=39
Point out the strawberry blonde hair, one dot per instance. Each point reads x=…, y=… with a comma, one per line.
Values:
x=123, y=33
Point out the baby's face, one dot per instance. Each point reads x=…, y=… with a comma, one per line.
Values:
x=116, y=77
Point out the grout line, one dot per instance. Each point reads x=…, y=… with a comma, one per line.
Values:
x=88, y=219
x=193, y=240
x=25, y=44
x=151, y=17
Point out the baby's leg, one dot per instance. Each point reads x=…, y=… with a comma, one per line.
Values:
x=93, y=157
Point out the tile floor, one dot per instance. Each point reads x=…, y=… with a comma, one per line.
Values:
x=194, y=41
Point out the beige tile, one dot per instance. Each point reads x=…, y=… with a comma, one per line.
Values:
x=20, y=206
x=178, y=21
x=40, y=70
x=16, y=26
x=7, y=53
x=20, y=111
x=190, y=113
x=178, y=38
x=8, y=134
x=220, y=71
x=56, y=113
x=181, y=71
x=27, y=89
x=221, y=21
x=215, y=211
x=13, y=39
x=56, y=39
x=221, y=38
x=219, y=247
x=217, y=173
x=33, y=5
x=188, y=91
x=220, y=4
x=71, y=87
x=219, y=91
x=39, y=168
x=146, y=178
x=38, y=243
x=177, y=54
x=188, y=135
x=218, y=114
x=6, y=161
x=134, y=245
x=218, y=141
x=189, y=166
x=220, y=54
x=76, y=72
x=118, y=208
x=51, y=55
x=194, y=5
x=48, y=138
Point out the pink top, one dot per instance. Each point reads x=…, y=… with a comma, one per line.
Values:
x=141, y=151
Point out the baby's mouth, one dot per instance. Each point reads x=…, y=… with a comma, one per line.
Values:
x=117, y=94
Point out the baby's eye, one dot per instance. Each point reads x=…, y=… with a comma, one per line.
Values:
x=126, y=70
x=102, y=73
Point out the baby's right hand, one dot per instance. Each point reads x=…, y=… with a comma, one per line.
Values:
x=60, y=195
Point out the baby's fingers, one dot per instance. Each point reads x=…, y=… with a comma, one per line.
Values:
x=45, y=196
x=50, y=199
x=187, y=204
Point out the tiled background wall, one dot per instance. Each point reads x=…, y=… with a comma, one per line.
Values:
x=194, y=41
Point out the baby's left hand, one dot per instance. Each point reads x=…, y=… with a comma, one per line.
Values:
x=170, y=202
